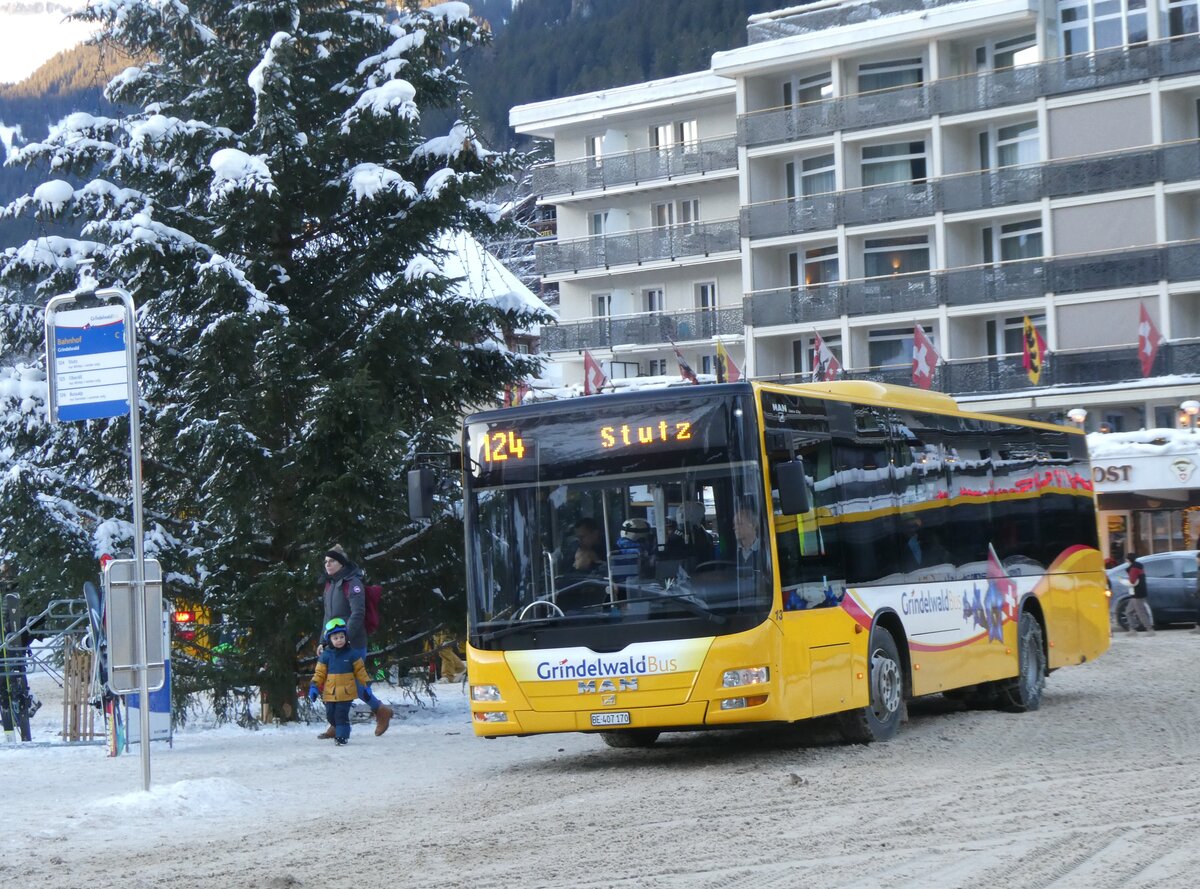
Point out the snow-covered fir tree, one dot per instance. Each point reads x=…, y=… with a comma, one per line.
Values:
x=273, y=207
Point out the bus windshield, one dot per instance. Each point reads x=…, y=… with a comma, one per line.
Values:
x=587, y=517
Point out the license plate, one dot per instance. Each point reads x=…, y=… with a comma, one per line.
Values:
x=610, y=719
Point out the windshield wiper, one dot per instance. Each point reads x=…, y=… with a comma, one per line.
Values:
x=532, y=623
x=686, y=600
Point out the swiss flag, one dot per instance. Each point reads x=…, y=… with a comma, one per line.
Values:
x=594, y=379
x=925, y=359
x=827, y=367
x=1149, y=340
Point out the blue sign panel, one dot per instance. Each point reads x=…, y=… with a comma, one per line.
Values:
x=90, y=363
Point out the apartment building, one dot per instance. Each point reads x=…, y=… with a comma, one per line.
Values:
x=859, y=169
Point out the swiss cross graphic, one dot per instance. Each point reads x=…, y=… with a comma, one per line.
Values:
x=594, y=379
x=1149, y=340
x=925, y=359
x=826, y=367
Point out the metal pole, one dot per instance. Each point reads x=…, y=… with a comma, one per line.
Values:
x=139, y=555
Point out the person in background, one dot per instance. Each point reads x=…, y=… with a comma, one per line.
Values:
x=588, y=536
x=745, y=531
x=340, y=677
x=344, y=597
x=1136, y=608
x=686, y=537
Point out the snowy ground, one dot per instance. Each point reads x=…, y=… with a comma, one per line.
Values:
x=1098, y=789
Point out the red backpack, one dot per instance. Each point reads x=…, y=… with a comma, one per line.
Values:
x=372, y=596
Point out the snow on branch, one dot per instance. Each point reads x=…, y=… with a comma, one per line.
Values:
x=393, y=97
x=368, y=180
x=263, y=69
x=461, y=140
x=52, y=253
x=235, y=171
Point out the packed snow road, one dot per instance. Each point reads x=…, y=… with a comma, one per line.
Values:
x=1098, y=789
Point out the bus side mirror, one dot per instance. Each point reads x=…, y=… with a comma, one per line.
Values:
x=793, y=487
x=420, y=493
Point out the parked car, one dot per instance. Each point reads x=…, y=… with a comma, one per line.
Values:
x=1170, y=588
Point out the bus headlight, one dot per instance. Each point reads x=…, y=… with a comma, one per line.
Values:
x=746, y=676
x=485, y=693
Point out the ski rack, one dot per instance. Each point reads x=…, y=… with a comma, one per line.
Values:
x=59, y=619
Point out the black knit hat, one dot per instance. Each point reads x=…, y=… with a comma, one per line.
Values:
x=338, y=555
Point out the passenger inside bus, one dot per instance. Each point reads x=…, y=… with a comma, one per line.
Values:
x=686, y=537
x=745, y=531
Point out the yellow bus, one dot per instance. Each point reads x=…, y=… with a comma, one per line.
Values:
x=755, y=553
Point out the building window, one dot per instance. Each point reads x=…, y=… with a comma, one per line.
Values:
x=688, y=211
x=598, y=223
x=1000, y=54
x=817, y=265
x=706, y=364
x=662, y=215
x=889, y=75
x=602, y=304
x=1088, y=25
x=893, y=346
x=682, y=133
x=594, y=149
x=1009, y=146
x=656, y=367
x=804, y=352
x=810, y=176
x=895, y=256
x=652, y=299
x=1012, y=241
x=706, y=295
x=896, y=162
x=812, y=88
x=1182, y=17
x=1007, y=336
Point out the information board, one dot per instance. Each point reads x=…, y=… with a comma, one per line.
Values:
x=88, y=362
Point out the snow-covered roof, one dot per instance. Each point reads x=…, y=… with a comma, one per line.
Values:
x=481, y=276
x=542, y=118
x=1143, y=443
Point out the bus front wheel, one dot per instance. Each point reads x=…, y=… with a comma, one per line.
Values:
x=631, y=738
x=880, y=719
x=1024, y=692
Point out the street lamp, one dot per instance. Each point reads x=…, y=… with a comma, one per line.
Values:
x=1191, y=408
x=1077, y=415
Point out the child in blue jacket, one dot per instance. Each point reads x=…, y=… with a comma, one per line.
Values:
x=340, y=678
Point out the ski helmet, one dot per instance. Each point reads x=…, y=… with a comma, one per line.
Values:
x=337, y=625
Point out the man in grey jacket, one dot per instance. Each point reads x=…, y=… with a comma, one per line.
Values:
x=344, y=597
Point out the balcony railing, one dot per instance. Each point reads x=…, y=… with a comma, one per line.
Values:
x=647, y=329
x=631, y=167
x=973, y=92
x=637, y=247
x=974, y=285
x=1005, y=373
x=1094, y=174
x=834, y=17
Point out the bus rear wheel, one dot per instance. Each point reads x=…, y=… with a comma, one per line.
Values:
x=632, y=738
x=1024, y=692
x=880, y=719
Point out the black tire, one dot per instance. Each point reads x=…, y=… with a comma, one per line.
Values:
x=638, y=737
x=881, y=718
x=1023, y=693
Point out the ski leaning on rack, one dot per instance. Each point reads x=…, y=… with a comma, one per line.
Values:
x=114, y=726
x=15, y=699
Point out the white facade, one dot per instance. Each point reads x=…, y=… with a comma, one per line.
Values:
x=860, y=168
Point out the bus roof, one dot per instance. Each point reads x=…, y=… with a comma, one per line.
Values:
x=908, y=397
x=855, y=391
